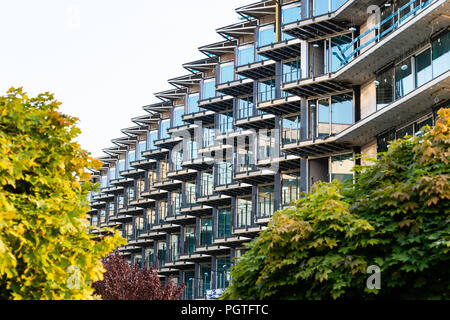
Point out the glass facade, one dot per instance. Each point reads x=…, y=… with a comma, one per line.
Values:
x=152, y=137
x=164, y=126
x=178, y=114
x=205, y=232
x=246, y=54
x=341, y=167
x=266, y=196
x=224, y=222
x=225, y=122
x=207, y=183
x=223, y=272
x=189, y=239
x=291, y=129
x=266, y=90
x=208, y=88
x=291, y=13
x=290, y=189
x=245, y=107
x=225, y=172
x=226, y=72
x=244, y=212
x=192, y=103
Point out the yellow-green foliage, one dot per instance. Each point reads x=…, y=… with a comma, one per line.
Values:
x=396, y=216
x=45, y=249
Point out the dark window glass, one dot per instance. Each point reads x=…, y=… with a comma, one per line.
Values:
x=385, y=88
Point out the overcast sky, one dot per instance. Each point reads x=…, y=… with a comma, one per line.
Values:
x=104, y=59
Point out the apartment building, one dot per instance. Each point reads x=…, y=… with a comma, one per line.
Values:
x=290, y=95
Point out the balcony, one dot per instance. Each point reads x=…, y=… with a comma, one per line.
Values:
x=143, y=203
x=249, y=231
x=197, y=210
x=132, y=173
x=183, y=175
x=236, y=88
x=255, y=176
x=284, y=162
x=317, y=147
x=144, y=164
x=257, y=70
x=168, y=143
x=183, y=129
x=103, y=197
x=122, y=181
x=202, y=163
x=231, y=241
x=113, y=189
x=155, y=194
x=168, y=185
x=281, y=50
x=214, y=200
x=156, y=154
x=234, y=189
x=217, y=104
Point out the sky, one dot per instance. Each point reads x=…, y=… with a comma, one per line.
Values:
x=104, y=59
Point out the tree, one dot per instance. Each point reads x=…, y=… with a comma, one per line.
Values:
x=45, y=249
x=395, y=216
x=128, y=282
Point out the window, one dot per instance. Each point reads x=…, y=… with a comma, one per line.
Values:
x=141, y=146
x=103, y=181
x=323, y=118
x=178, y=114
x=225, y=170
x=189, y=239
x=151, y=217
x=266, y=90
x=404, y=80
x=341, y=112
x=266, y=35
x=164, y=126
x=291, y=13
x=336, y=4
x=140, y=187
x=291, y=70
x=174, y=247
x=246, y=54
x=383, y=141
x=152, y=137
x=207, y=183
x=131, y=157
x=102, y=216
x=177, y=159
x=205, y=279
x=122, y=166
x=225, y=122
x=291, y=129
x=112, y=173
x=226, y=72
x=208, y=136
x=120, y=202
x=424, y=72
x=205, y=232
x=189, y=277
x=245, y=107
x=266, y=195
x=266, y=144
x=111, y=209
x=191, y=194
x=441, y=54
x=244, y=158
x=209, y=88
x=290, y=190
x=244, y=212
x=224, y=222
x=176, y=203
x=163, y=169
x=192, y=103
x=130, y=194
x=161, y=255
x=341, y=167
x=162, y=211
x=320, y=7
x=192, y=149
x=385, y=88
x=339, y=57
x=223, y=272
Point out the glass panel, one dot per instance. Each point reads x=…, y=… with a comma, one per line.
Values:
x=162, y=211
x=131, y=157
x=323, y=118
x=189, y=239
x=244, y=211
x=320, y=7
x=291, y=13
x=266, y=196
x=266, y=90
x=226, y=72
x=341, y=167
x=102, y=216
x=424, y=72
x=192, y=149
x=266, y=35
x=122, y=166
x=341, y=112
x=291, y=129
x=189, y=278
x=245, y=107
x=404, y=80
x=224, y=223
x=336, y=4
x=152, y=137
x=385, y=88
x=225, y=170
x=266, y=144
x=223, y=272
x=405, y=131
x=246, y=55
x=177, y=158
x=174, y=248
x=290, y=190
x=338, y=57
x=205, y=232
x=292, y=71
x=177, y=117
x=441, y=54
x=103, y=182
x=383, y=141
x=421, y=124
x=208, y=136
x=165, y=125
x=192, y=105
x=151, y=217
x=245, y=159
x=209, y=89
x=225, y=122
x=112, y=173
x=190, y=194
x=205, y=279
x=207, y=183
x=163, y=169
x=176, y=203
x=141, y=147
x=120, y=202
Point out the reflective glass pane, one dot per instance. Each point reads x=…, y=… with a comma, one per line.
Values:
x=291, y=71
x=209, y=89
x=441, y=54
x=341, y=112
x=165, y=125
x=192, y=106
x=320, y=7
x=246, y=55
x=385, y=88
x=245, y=107
x=339, y=55
x=291, y=13
x=341, y=167
x=404, y=79
x=177, y=117
x=226, y=72
x=224, y=223
x=424, y=71
x=244, y=211
x=152, y=137
x=336, y=4
x=266, y=35
x=323, y=118
x=266, y=196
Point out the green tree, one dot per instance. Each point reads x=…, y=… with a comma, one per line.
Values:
x=45, y=249
x=396, y=216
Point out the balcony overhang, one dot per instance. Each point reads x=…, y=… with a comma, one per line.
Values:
x=219, y=48
x=258, y=9
x=172, y=94
x=282, y=50
x=168, y=185
x=232, y=241
x=157, y=154
x=256, y=122
x=217, y=104
x=155, y=194
x=132, y=173
x=175, y=266
x=166, y=227
x=203, y=65
x=113, y=189
x=121, y=217
x=238, y=30
x=197, y=210
x=316, y=86
x=406, y=37
x=98, y=204
x=200, y=164
x=144, y=164
x=183, y=175
x=257, y=70
x=131, y=210
x=195, y=257
x=146, y=120
x=214, y=200
x=281, y=106
x=181, y=219
x=249, y=232
x=205, y=117
x=351, y=13
x=159, y=107
x=408, y=108
x=285, y=162
x=318, y=147
x=211, y=151
x=234, y=134
x=122, y=182
x=255, y=177
x=180, y=130
x=168, y=143
x=212, y=249
x=156, y=234
x=143, y=203
x=234, y=189
x=103, y=197
x=236, y=88
x=186, y=81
